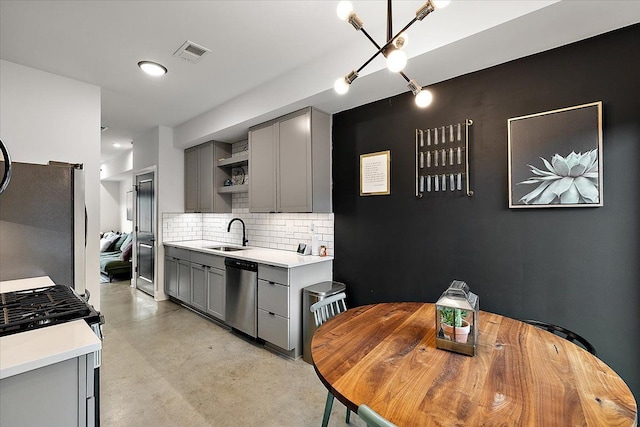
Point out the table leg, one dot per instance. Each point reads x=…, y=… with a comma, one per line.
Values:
x=327, y=409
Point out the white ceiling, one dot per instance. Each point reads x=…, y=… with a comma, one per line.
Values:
x=271, y=57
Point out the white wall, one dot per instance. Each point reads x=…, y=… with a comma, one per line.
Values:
x=170, y=193
x=115, y=168
x=126, y=225
x=145, y=150
x=154, y=151
x=116, y=176
x=109, y=205
x=45, y=117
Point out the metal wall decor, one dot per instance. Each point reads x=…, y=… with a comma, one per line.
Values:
x=442, y=160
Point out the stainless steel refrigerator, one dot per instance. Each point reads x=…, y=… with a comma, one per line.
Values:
x=43, y=223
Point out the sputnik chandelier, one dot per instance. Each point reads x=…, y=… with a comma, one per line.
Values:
x=392, y=49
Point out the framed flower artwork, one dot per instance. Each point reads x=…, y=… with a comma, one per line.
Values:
x=555, y=158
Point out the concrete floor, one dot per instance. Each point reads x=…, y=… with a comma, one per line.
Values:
x=164, y=365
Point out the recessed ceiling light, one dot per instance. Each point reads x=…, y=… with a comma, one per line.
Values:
x=152, y=68
x=115, y=144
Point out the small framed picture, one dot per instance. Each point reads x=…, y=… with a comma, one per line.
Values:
x=375, y=171
x=555, y=158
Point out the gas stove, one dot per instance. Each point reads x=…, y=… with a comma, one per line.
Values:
x=30, y=309
x=45, y=306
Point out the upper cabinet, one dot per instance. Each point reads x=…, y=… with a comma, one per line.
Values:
x=290, y=164
x=202, y=179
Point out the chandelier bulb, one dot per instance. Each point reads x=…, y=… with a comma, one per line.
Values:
x=344, y=10
x=423, y=98
x=341, y=86
x=396, y=60
x=401, y=41
x=441, y=4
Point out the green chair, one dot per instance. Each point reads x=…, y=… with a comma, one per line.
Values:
x=372, y=418
x=322, y=311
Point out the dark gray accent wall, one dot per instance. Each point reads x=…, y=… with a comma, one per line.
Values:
x=575, y=267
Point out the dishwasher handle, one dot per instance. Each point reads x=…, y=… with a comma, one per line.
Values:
x=241, y=264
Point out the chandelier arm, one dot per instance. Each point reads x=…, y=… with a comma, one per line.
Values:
x=371, y=39
x=381, y=49
x=369, y=61
x=406, y=27
x=404, y=76
x=389, y=20
x=390, y=41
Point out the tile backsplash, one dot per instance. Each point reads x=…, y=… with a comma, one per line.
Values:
x=276, y=231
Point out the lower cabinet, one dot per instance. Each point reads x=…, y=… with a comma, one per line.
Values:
x=273, y=313
x=216, y=292
x=196, y=279
x=171, y=276
x=280, y=303
x=61, y=394
x=177, y=278
x=199, y=286
x=184, y=281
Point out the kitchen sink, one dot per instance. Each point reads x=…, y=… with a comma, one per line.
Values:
x=226, y=248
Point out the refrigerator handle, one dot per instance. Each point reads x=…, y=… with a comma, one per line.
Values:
x=6, y=177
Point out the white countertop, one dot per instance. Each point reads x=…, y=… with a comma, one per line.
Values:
x=41, y=347
x=25, y=351
x=22, y=284
x=275, y=257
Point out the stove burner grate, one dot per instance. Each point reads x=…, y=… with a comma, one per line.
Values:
x=35, y=308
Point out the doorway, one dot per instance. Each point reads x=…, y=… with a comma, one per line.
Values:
x=145, y=232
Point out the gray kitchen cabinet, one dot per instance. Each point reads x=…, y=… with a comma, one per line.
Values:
x=273, y=313
x=280, y=303
x=177, y=272
x=197, y=279
x=290, y=164
x=202, y=177
x=191, y=199
x=211, y=272
x=184, y=281
x=205, y=177
x=199, y=286
x=171, y=276
x=216, y=292
x=262, y=169
x=61, y=394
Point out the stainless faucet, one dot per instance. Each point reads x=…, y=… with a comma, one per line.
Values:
x=244, y=236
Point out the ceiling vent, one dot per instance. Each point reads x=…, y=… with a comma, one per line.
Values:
x=191, y=51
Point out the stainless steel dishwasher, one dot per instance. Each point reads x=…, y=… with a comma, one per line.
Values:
x=241, y=295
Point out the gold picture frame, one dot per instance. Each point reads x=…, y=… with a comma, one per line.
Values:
x=375, y=173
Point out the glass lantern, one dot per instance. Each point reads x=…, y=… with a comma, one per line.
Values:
x=457, y=319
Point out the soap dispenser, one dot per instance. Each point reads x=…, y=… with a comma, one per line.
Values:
x=315, y=241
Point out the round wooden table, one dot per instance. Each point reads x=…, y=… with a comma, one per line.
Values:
x=385, y=355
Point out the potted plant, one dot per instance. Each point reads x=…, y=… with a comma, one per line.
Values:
x=454, y=324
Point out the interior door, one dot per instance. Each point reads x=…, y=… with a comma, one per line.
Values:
x=145, y=232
